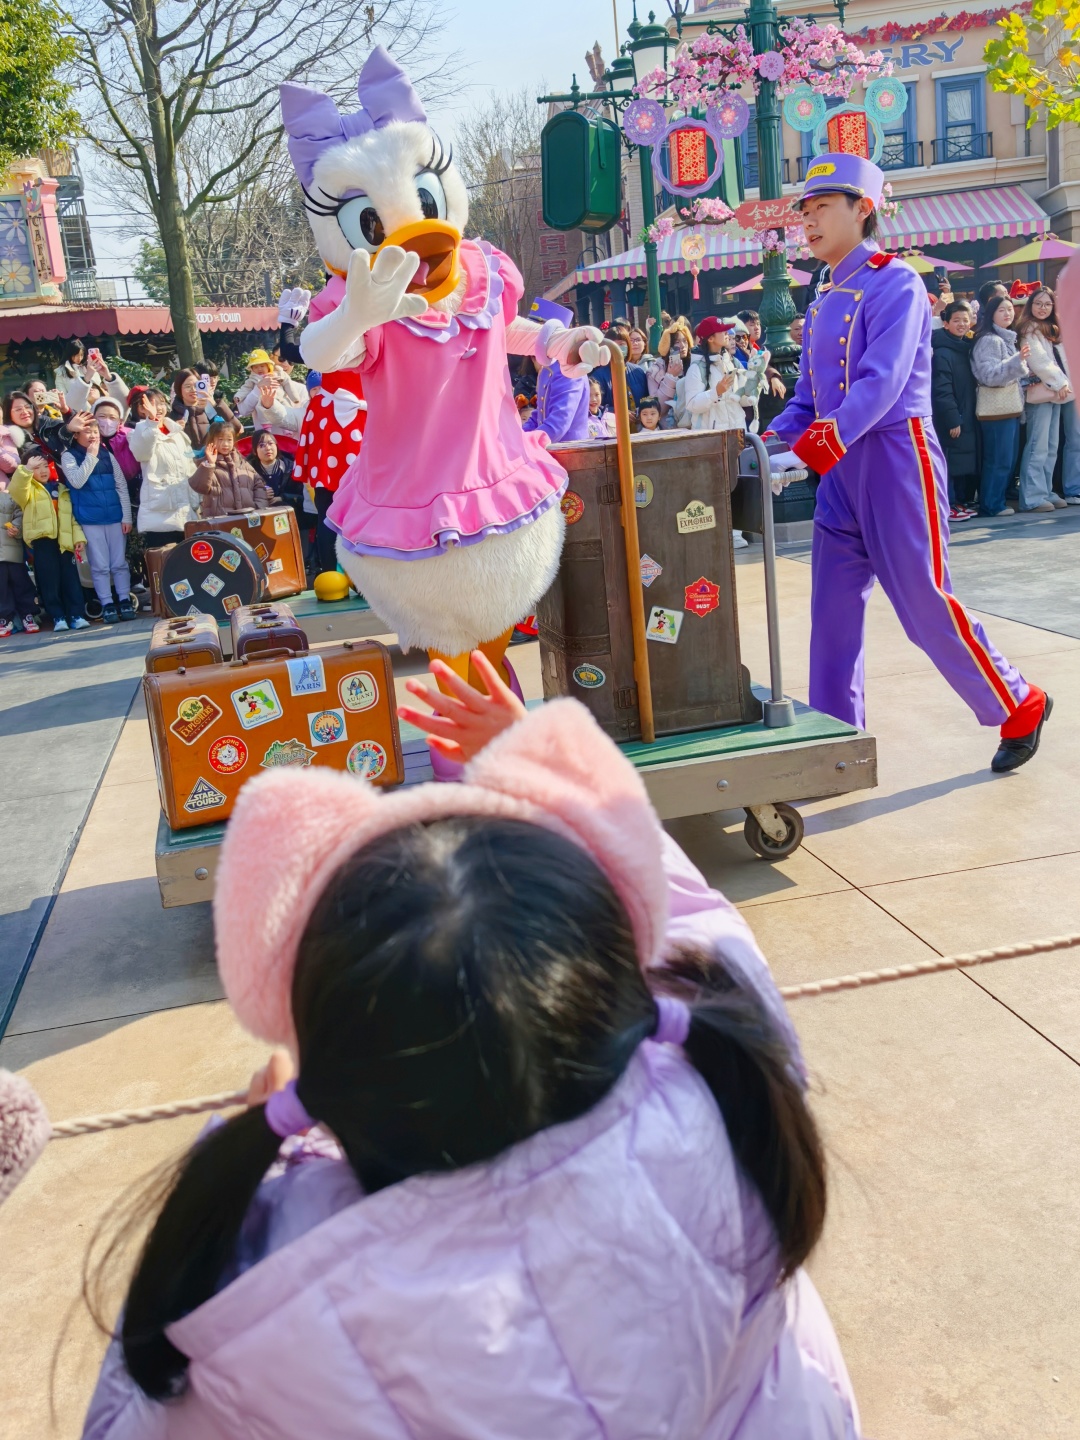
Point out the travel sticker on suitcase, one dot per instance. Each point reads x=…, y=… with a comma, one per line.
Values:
x=256, y=704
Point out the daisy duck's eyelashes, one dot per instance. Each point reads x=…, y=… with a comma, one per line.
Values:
x=360, y=222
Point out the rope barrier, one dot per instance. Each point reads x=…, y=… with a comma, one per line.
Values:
x=927, y=967
x=120, y=1119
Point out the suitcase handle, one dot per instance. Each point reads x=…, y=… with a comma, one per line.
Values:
x=632, y=544
x=276, y=653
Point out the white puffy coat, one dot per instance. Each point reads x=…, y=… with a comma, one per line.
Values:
x=166, y=501
x=702, y=407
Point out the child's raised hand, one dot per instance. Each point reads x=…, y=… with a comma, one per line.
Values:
x=465, y=719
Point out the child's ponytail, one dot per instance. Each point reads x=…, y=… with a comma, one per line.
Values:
x=192, y=1241
x=735, y=1049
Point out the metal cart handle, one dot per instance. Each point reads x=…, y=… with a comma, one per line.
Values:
x=778, y=711
x=632, y=544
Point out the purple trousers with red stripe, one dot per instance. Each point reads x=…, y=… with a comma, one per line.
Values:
x=882, y=513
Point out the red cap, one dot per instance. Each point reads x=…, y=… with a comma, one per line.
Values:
x=711, y=326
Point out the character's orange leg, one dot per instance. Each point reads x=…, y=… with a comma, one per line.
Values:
x=495, y=650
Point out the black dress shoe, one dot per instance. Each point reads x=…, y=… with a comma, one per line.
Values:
x=1012, y=754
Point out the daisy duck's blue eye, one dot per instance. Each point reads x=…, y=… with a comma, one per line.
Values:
x=432, y=196
x=359, y=222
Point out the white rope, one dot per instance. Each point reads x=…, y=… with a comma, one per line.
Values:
x=120, y=1119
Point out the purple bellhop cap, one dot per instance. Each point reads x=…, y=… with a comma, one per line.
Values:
x=849, y=174
x=542, y=310
x=313, y=122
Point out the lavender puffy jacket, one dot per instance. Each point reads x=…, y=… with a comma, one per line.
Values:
x=607, y=1279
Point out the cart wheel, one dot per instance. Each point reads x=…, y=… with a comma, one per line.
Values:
x=764, y=844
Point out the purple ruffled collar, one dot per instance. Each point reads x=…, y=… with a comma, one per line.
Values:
x=481, y=303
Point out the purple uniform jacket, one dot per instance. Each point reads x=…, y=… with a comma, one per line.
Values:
x=865, y=357
x=562, y=407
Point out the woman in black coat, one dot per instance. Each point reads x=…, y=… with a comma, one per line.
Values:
x=953, y=390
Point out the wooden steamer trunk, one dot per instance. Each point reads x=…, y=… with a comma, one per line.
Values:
x=215, y=727
x=682, y=483
x=274, y=536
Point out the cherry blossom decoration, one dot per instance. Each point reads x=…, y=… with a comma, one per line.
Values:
x=730, y=115
x=804, y=109
x=644, y=121
x=771, y=66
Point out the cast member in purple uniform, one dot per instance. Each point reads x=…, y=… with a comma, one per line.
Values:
x=860, y=417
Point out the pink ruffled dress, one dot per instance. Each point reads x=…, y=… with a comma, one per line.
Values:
x=445, y=461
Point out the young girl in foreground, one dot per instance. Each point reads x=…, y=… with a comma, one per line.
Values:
x=577, y=1176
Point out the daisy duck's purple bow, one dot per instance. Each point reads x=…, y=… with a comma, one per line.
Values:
x=313, y=122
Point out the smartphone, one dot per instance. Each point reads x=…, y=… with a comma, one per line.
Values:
x=94, y=356
x=202, y=387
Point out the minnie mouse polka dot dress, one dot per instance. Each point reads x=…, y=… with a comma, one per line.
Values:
x=332, y=430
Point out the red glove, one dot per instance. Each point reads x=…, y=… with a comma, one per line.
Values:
x=820, y=446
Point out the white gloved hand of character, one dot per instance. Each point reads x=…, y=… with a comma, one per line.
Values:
x=376, y=292
x=293, y=306
x=577, y=351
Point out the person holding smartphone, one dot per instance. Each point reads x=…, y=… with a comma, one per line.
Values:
x=196, y=407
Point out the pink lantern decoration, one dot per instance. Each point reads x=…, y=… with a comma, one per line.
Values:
x=644, y=122
x=729, y=117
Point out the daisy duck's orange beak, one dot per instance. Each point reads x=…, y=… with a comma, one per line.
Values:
x=436, y=243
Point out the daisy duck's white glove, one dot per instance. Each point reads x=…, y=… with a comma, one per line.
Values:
x=293, y=306
x=375, y=293
x=577, y=351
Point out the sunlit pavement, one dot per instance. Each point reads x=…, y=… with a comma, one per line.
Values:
x=948, y=1103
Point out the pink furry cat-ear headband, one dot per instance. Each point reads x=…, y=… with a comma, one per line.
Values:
x=292, y=830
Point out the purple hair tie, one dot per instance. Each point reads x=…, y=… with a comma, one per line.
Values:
x=285, y=1113
x=672, y=1020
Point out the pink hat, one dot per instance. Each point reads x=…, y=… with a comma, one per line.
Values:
x=292, y=830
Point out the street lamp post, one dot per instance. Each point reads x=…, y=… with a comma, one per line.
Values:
x=777, y=308
x=648, y=50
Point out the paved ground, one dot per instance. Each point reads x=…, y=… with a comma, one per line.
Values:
x=950, y=1257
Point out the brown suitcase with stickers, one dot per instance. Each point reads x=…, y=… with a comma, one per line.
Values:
x=154, y=560
x=216, y=726
x=184, y=640
x=274, y=536
x=256, y=628
x=681, y=483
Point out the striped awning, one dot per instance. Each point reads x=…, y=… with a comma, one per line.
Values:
x=923, y=220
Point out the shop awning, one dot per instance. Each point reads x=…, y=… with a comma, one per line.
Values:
x=65, y=322
x=923, y=220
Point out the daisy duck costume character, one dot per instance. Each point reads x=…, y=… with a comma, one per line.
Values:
x=448, y=519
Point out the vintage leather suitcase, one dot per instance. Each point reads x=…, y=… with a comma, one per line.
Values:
x=187, y=640
x=211, y=573
x=215, y=727
x=257, y=628
x=154, y=560
x=274, y=536
x=682, y=483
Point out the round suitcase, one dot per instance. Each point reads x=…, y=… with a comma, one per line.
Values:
x=214, y=573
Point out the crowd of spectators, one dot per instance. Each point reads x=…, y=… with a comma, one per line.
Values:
x=1004, y=407
x=93, y=473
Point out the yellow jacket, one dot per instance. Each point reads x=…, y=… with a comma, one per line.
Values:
x=41, y=518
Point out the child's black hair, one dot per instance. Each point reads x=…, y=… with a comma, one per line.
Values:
x=648, y=402
x=460, y=986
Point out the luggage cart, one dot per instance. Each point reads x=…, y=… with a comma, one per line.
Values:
x=794, y=753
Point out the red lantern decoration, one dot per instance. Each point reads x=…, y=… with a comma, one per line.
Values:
x=688, y=151
x=849, y=133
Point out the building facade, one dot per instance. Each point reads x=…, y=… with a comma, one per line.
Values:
x=974, y=179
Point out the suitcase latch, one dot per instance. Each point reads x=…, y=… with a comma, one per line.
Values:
x=626, y=697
